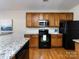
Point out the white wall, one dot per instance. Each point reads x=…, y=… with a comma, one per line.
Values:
x=18, y=22
x=75, y=10
x=18, y=27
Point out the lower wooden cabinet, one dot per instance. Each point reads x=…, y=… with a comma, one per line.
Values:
x=33, y=42
x=56, y=41
x=77, y=47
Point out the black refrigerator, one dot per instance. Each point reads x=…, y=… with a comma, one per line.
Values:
x=70, y=31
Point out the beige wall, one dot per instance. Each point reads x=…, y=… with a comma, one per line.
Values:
x=18, y=22
x=75, y=10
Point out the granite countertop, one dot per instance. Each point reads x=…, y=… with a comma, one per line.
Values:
x=10, y=50
x=76, y=40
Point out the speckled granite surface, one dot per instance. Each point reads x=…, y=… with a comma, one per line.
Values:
x=10, y=47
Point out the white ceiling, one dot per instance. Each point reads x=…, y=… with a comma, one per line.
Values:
x=37, y=4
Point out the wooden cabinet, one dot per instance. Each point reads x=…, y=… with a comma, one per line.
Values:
x=62, y=16
x=46, y=16
x=77, y=47
x=35, y=19
x=53, y=18
x=32, y=19
x=56, y=40
x=69, y=16
x=66, y=16
x=33, y=42
x=56, y=20
x=28, y=20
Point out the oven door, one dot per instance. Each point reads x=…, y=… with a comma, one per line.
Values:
x=44, y=38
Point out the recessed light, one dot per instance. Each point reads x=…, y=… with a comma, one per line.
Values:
x=45, y=0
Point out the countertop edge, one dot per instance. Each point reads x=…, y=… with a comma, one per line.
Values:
x=76, y=40
x=19, y=48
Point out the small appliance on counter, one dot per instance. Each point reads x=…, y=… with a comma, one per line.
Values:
x=44, y=39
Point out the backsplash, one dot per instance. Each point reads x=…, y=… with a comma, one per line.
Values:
x=36, y=30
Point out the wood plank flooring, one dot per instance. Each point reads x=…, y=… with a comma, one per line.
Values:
x=53, y=53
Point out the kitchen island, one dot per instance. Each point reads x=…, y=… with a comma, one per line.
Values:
x=12, y=49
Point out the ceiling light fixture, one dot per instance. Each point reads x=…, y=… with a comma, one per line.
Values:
x=45, y=0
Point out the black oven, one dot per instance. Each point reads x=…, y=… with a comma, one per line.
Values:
x=44, y=39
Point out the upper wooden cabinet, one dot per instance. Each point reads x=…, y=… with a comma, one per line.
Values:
x=35, y=19
x=66, y=16
x=69, y=16
x=56, y=19
x=32, y=19
x=28, y=20
x=52, y=20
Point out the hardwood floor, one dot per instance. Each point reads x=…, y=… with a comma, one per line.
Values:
x=53, y=53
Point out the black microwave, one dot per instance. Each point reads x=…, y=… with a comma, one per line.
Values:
x=43, y=23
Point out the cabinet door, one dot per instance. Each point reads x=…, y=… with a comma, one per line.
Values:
x=69, y=16
x=66, y=16
x=53, y=41
x=56, y=41
x=59, y=41
x=35, y=19
x=33, y=42
x=46, y=16
x=56, y=20
x=62, y=16
x=28, y=19
x=51, y=20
